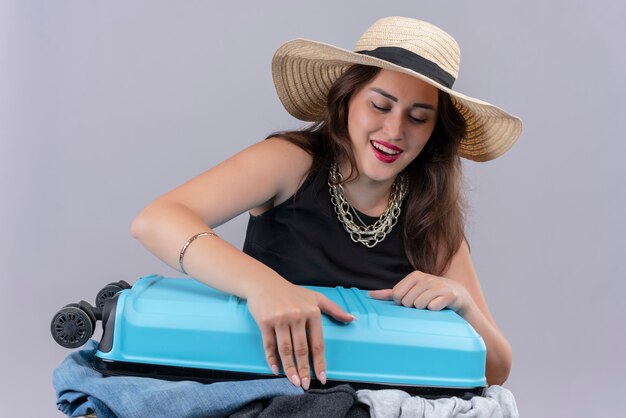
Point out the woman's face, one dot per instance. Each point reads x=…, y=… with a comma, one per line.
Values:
x=389, y=121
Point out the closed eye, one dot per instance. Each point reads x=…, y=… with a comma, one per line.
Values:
x=386, y=109
x=416, y=120
x=379, y=108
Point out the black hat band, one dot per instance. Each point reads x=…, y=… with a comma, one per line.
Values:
x=412, y=61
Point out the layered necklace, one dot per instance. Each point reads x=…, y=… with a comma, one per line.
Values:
x=368, y=235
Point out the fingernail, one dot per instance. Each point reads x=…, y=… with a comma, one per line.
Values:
x=295, y=380
x=354, y=318
x=275, y=369
x=322, y=377
x=305, y=383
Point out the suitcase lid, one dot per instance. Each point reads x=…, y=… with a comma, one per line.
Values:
x=184, y=323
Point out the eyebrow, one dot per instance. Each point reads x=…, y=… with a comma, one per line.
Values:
x=395, y=99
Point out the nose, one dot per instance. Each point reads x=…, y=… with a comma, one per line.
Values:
x=394, y=125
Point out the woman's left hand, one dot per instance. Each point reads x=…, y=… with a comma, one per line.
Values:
x=426, y=291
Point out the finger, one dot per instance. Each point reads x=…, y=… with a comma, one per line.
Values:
x=404, y=286
x=422, y=301
x=331, y=308
x=269, y=345
x=412, y=295
x=285, y=350
x=382, y=294
x=422, y=283
x=316, y=345
x=439, y=303
x=301, y=352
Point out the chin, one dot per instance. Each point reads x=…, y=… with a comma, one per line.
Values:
x=381, y=174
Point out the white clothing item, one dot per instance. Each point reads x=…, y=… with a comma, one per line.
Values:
x=497, y=402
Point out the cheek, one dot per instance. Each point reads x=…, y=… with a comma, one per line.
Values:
x=359, y=119
x=351, y=123
x=422, y=136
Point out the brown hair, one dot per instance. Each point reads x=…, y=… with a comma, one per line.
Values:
x=434, y=220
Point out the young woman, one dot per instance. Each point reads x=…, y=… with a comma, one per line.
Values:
x=368, y=196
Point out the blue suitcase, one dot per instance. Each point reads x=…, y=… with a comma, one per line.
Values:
x=181, y=329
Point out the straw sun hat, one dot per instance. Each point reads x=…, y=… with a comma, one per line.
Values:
x=304, y=71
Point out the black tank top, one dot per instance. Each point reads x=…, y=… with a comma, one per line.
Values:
x=303, y=241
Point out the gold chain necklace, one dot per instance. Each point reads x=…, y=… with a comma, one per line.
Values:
x=375, y=233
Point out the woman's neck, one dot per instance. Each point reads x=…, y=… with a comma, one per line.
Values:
x=367, y=196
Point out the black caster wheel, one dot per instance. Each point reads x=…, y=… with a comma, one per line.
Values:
x=109, y=291
x=72, y=327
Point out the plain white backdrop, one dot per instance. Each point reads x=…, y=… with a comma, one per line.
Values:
x=106, y=105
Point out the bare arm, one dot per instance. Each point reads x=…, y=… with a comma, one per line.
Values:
x=457, y=289
x=249, y=179
x=499, y=353
x=260, y=176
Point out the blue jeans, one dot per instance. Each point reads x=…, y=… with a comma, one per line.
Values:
x=81, y=390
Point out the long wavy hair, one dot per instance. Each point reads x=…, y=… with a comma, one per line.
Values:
x=434, y=207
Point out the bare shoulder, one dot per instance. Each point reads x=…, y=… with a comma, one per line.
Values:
x=256, y=178
x=286, y=163
x=275, y=165
x=278, y=150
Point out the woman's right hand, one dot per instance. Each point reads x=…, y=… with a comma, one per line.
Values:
x=284, y=313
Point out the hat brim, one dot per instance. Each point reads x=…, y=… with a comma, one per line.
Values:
x=304, y=71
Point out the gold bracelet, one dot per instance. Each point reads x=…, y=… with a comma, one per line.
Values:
x=189, y=241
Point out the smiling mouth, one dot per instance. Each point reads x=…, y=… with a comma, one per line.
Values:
x=385, y=150
x=390, y=150
x=385, y=153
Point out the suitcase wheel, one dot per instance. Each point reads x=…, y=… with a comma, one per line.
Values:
x=109, y=291
x=72, y=327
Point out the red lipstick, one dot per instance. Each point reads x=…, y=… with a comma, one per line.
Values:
x=384, y=156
